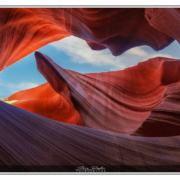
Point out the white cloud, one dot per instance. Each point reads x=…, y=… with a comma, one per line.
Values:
x=161, y=55
x=17, y=87
x=8, y=88
x=136, y=51
x=80, y=52
x=26, y=85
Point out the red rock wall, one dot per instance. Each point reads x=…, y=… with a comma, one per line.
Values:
x=24, y=30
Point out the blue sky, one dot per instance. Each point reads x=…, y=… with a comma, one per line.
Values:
x=73, y=53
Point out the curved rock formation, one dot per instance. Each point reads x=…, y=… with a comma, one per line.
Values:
x=117, y=108
x=43, y=100
x=164, y=119
x=118, y=101
x=30, y=142
x=24, y=30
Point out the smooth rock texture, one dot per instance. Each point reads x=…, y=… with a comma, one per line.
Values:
x=30, y=142
x=24, y=30
x=118, y=101
x=43, y=100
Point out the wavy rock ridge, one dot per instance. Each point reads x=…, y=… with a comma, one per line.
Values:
x=34, y=143
x=118, y=101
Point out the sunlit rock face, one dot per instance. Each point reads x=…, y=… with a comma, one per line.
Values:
x=43, y=100
x=24, y=30
x=118, y=101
